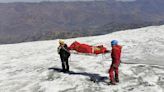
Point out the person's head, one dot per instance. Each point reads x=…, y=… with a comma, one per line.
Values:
x=114, y=42
x=61, y=42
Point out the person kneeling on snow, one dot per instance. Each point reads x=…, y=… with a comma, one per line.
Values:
x=115, y=55
x=64, y=53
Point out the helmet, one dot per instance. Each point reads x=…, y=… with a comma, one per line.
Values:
x=61, y=41
x=114, y=42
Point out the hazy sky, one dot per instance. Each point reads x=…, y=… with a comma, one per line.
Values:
x=50, y=0
x=38, y=0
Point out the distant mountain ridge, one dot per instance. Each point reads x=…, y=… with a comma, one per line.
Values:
x=50, y=20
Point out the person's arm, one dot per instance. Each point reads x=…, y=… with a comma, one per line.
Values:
x=114, y=54
x=115, y=58
x=59, y=49
x=66, y=48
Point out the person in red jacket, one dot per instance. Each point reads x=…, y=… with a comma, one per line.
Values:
x=115, y=55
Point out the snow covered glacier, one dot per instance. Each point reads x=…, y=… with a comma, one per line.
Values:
x=24, y=67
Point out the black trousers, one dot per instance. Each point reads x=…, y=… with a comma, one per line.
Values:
x=65, y=64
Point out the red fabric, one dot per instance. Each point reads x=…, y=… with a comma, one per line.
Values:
x=113, y=70
x=74, y=45
x=82, y=48
x=102, y=50
x=85, y=48
x=115, y=54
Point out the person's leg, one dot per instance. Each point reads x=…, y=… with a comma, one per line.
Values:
x=116, y=74
x=63, y=64
x=111, y=75
x=67, y=65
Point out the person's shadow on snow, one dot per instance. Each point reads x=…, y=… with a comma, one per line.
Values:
x=96, y=78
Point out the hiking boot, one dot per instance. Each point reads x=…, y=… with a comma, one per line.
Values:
x=67, y=70
x=63, y=71
x=112, y=83
x=117, y=80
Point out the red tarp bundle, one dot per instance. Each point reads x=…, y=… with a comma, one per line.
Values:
x=84, y=48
